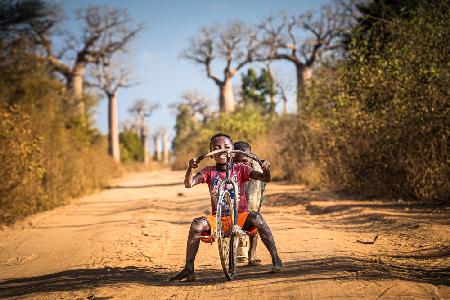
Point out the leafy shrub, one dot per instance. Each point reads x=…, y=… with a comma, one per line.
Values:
x=392, y=128
x=21, y=161
x=131, y=148
x=245, y=124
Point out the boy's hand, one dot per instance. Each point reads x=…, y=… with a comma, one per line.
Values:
x=190, y=181
x=265, y=175
x=265, y=165
x=193, y=164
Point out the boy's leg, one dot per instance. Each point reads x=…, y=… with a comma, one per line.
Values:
x=243, y=249
x=198, y=226
x=252, y=259
x=255, y=219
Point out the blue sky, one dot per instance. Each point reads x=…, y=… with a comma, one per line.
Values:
x=155, y=58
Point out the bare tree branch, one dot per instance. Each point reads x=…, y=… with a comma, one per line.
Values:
x=234, y=44
x=105, y=22
x=106, y=31
x=141, y=109
x=202, y=51
x=111, y=73
x=198, y=104
x=283, y=38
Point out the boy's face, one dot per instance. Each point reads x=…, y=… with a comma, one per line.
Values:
x=239, y=158
x=221, y=142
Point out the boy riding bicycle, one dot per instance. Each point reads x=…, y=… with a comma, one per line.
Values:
x=254, y=193
x=213, y=176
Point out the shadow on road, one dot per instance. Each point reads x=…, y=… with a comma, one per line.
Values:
x=351, y=210
x=338, y=268
x=142, y=186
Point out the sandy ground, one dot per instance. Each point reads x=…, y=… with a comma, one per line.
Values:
x=123, y=242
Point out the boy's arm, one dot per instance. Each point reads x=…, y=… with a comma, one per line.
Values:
x=265, y=175
x=190, y=181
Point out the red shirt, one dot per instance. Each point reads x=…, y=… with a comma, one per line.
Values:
x=240, y=174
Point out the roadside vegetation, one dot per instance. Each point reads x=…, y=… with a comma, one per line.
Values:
x=373, y=120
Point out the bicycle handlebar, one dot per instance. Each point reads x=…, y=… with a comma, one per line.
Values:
x=229, y=152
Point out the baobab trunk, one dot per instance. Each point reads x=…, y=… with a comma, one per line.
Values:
x=272, y=104
x=226, y=97
x=156, y=148
x=77, y=89
x=145, y=145
x=165, y=142
x=272, y=94
x=113, y=133
x=285, y=108
x=304, y=75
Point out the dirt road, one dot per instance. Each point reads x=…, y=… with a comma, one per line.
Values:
x=123, y=242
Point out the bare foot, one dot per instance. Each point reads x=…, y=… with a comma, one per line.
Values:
x=254, y=262
x=277, y=267
x=184, y=276
x=275, y=270
x=241, y=259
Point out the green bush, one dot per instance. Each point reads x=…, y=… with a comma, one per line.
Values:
x=246, y=124
x=131, y=148
x=391, y=131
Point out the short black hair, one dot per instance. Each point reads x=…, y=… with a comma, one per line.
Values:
x=218, y=135
x=243, y=146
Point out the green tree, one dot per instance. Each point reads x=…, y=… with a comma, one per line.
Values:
x=192, y=135
x=21, y=20
x=131, y=146
x=185, y=125
x=377, y=16
x=258, y=90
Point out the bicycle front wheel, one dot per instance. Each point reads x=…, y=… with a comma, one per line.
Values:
x=226, y=240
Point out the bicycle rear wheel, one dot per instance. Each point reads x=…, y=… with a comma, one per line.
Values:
x=226, y=240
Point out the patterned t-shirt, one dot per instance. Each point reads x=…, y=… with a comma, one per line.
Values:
x=240, y=174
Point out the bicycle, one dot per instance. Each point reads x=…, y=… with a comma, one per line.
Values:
x=227, y=207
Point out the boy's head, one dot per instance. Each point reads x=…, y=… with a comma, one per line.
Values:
x=244, y=147
x=220, y=141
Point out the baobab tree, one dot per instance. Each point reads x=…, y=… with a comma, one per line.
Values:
x=198, y=104
x=284, y=86
x=165, y=146
x=283, y=95
x=192, y=112
x=157, y=155
x=272, y=87
x=90, y=47
x=283, y=38
x=142, y=109
x=111, y=74
x=234, y=45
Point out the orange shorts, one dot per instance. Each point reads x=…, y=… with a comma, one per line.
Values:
x=226, y=221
